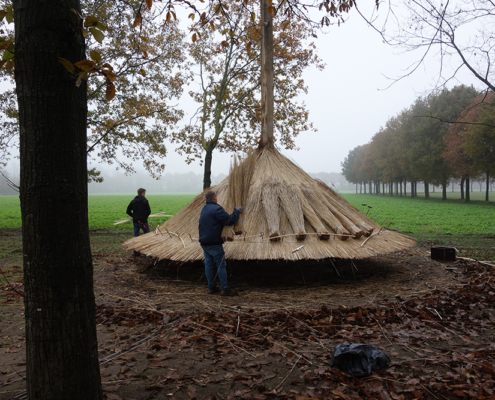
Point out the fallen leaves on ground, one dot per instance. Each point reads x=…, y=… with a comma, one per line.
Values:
x=442, y=347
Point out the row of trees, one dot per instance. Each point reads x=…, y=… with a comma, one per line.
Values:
x=447, y=134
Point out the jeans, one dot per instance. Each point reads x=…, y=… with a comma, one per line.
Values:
x=137, y=226
x=215, y=263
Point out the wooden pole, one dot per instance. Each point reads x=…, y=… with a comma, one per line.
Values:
x=267, y=103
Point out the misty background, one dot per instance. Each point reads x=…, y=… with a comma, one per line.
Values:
x=356, y=93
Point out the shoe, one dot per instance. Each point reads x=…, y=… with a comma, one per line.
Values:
x=213, y=290
x=228, y=292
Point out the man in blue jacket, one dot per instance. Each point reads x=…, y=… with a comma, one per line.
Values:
x=212, y=220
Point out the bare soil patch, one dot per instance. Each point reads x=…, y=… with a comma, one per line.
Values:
x=162, y=337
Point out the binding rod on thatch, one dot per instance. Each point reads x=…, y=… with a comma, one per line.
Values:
x=382, y=229
x=367, y=230
x=312, y=233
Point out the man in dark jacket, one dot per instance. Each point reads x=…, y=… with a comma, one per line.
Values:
x=139, y=210
x=212, y=220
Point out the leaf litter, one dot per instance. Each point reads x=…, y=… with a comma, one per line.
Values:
x=440, y=336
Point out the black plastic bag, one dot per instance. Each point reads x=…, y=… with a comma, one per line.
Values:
x=358, y=359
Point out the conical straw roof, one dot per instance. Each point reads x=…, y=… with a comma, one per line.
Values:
x=287, y=215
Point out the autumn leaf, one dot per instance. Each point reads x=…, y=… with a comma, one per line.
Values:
x=86, y=65
x=7, y=55
x=97, y=34
x=192, y=15
x=95, y=56
x=110, y=92
x=109, y=74
x=248, y=47
x=91, y=21
x=67, y=64
x=191, y=392
x=142, y=72
x=271, y=10
x=138, y=20
x=149, y=3
x=82, y=75
x=225, y=43
x=9, y=65
x=194, y=38
x=107, y=65
x=10, y=14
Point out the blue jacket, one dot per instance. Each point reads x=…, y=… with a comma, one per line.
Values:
x=211, y=222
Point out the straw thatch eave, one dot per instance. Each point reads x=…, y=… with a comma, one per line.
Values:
x=312, y=218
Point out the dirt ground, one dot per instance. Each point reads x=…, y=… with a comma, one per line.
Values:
x=162, y=337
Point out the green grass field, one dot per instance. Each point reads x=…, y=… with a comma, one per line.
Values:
x=104, y=210
x=412, y=216
x=420, y=216
x=470, y=227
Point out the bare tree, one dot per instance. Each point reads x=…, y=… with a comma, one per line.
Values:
x=459, y=32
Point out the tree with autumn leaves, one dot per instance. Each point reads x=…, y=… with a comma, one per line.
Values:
x=137, y=69
x=229, y=113
x=411, y=146
x=470, y=144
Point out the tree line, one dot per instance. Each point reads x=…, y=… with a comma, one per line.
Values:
x=447, y=135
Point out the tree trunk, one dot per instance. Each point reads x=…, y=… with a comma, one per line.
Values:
x=487, y=197
x=444, y=191
x=371, y=187
x=383, y=188
x=207, y=173
x=427, y=190
x=405, y=188
x=364, y=187
x=267, y=103
x=462, y=188
x=356, y=188
x=468, y=197
x=400, y=184
x=61, y=345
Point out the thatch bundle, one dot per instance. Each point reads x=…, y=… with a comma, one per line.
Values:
x=284, y=209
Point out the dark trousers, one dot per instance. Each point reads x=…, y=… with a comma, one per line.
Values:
x=138, y=225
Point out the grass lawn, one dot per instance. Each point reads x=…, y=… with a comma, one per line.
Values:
x=469, y=227
x=104, y=210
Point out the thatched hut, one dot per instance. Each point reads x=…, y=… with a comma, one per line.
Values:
x=287, y=215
